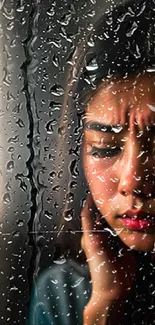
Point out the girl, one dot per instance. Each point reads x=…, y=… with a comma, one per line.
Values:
x=111, y=87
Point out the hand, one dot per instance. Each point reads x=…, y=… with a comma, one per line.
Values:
x=112, y=272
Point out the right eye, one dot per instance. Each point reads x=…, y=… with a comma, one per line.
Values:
x=104, y=152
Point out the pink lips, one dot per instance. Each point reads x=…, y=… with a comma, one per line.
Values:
x=137, y=220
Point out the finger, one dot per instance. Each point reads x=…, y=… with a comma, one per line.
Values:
x=87, y=215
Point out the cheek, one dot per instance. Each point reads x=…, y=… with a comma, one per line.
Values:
x=102, y=181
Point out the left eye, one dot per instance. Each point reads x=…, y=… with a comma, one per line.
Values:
x=104, y=152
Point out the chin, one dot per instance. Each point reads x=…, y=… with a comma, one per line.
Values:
x=138, y=241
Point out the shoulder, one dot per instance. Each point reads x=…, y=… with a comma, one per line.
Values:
x=67, y=273
x=61, y=290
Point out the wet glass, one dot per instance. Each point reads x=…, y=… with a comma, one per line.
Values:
x=43, y=186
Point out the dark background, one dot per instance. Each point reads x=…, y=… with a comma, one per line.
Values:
x=36, y=41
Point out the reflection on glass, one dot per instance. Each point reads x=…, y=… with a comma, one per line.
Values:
x=106, y=131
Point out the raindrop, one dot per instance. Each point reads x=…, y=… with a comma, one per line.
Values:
x=48, y=215
x=152, y=107
x=73, y=168
x=92, y=65
x=141, y=153
x=14, y=288
x=23, y=185
x=10, y=166
x=91, y=42
x=93, y=2
x=117, y=129
x=20, y=123
x=130, y=13
x=14, y=139
x=55, y=42
x=60, y=174
x=61, y=260
x=69, y=197
x=112, y=232
x=77, y=283
x=52, y=174
x=141, y=9
x=65, y=19
x=8, y=187
x=1, y=113
x=62, y=130
x=1, y=4
x=57, y=90
x=16, y=234
x=131, y=31
x=73, y=184
x=99, y=266
x=49, y=126
x=10, y=25
x=9, y=14
x=51, y=11
x=68, y=214
x=6, y=198
x=55, y=106
x=56, y=188
x=55, y=61
x=20, y=223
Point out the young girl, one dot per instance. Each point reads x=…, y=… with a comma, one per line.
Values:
x=111, y=87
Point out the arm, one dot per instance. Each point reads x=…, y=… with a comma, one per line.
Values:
x=112, y=276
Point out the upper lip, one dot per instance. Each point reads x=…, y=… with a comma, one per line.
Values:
x=138, y=214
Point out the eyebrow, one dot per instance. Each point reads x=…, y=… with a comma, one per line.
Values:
x=108, y=128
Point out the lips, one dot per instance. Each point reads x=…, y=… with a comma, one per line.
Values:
x=137, y=220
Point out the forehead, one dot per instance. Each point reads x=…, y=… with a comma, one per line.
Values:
x=120, y=100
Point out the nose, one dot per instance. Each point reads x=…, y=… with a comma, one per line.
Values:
x=136, y=172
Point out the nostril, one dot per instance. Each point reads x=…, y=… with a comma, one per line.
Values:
x=125, y=193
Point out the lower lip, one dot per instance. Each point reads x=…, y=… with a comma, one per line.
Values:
x=137, y=224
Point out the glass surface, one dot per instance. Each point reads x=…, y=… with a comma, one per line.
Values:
x=45, y=175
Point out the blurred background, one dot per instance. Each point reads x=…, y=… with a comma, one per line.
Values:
x=37, y=39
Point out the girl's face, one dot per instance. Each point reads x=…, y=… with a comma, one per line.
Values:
x=119, y=157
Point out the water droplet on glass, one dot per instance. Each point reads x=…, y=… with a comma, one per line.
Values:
x=51, y=11
x=117, y=129
x=14, y=139
x=60, y=261
x=55, y=106
x=65, y=19
x=92, y=65
x=73, y=168
x=152, y=107
x=49, y=126
x=57, y=90
x=55, y=61
x=20, y=123
x=77, y=283
x=91, y=42
x=6, y=198
x=10, y=25
x=55, y=42
x=68, y=215
x=132, y=29
x=20, y=223
x=48, y=215
x=10, y=166
x=8, y=186
x=112, y=232
x=56, y=188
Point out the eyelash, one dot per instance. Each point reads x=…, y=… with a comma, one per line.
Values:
x=105, y=152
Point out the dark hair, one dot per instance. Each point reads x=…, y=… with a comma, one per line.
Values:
x=120, y=44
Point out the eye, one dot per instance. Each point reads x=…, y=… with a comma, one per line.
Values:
x=105, y=152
